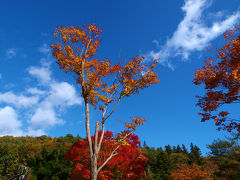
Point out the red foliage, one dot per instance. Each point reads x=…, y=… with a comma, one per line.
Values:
x=221, y=78
x=128, y=164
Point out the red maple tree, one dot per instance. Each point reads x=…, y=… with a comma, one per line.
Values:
x=128, y=164
x=221, y=78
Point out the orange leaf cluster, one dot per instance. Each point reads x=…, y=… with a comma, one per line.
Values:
x=75, y=51
x=135, y=123
x=137, y=76
x=221, y=78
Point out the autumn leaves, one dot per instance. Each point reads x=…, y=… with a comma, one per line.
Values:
x=101, y=83
x=221, y=78
x=75, y=51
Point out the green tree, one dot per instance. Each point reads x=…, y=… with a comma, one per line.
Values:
x=195, y=154
x=158, y=165
x=220, y=148
x=9, y=161
x=168, y=149
x=178, y=149
x=226, y=154
x=184, y=149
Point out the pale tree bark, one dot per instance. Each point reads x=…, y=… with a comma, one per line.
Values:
x=94, y=159
x=95, y=147
x=93, y=156
x=94, y=172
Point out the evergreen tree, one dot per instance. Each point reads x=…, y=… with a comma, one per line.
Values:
x=220, y=148
x=184, y=149
x=159, y=165
x=144, y=144
x=174, y=149
x=168, y=149
x=195, y=154
x=178, y=149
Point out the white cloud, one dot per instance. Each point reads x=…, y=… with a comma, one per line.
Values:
x=43, y=74
x=45, y=62
x=58, y=95
x=9, y=124
x=62, y=93
x=44, y=49
x=11, y=53
x=43, y=104
x=18, y=100
x=192, y=33
x=33, y=132
x=45, y=117
x=36, y=91
x=0, y=76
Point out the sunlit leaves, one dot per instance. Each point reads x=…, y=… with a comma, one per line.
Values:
x=135, y=123
x=136, y=75
x=75, y=49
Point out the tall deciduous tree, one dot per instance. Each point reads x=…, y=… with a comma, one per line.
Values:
x=221, y=78
x=75, y=51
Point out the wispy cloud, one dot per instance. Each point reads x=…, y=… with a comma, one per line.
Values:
x=43, y=74
x=9, y=85
x=36, y=91
x=45, y=49
x=18, y=100
x=193, y=33
x=11, y=53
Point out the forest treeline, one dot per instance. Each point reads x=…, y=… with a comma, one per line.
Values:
x=43, y=158
x=44, y=155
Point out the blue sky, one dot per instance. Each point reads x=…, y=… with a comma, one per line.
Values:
x=37, y=98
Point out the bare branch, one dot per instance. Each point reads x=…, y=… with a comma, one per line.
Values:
x=82, y=51
x=109, y=158
x=111, y=111
x=101, y=138
x=96, y=138
x=114, y=153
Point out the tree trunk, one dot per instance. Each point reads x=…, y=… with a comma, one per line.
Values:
x=93, y=172
x=88, y=128
x=92, y=151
